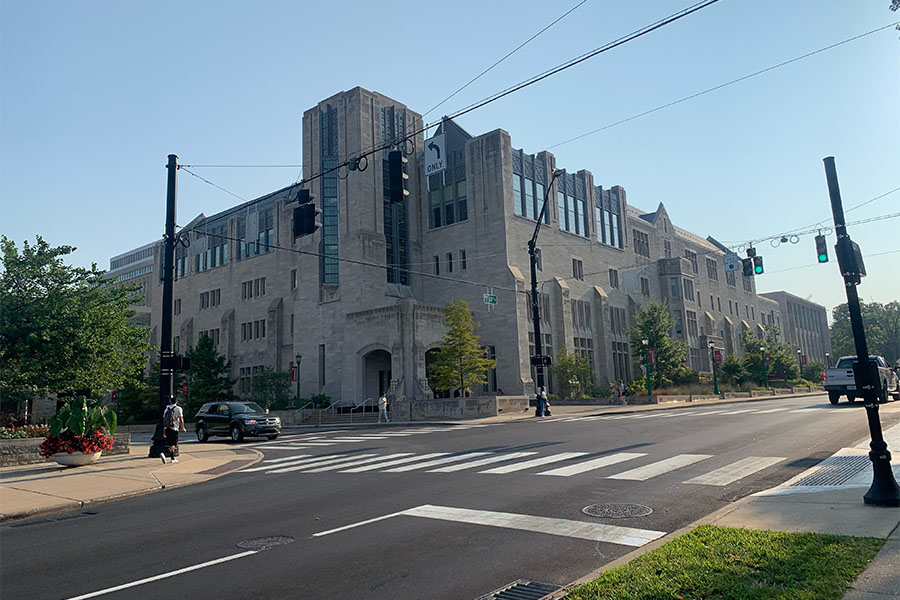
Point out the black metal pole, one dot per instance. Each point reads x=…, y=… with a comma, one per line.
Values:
x=884, y=490
x=166, y=382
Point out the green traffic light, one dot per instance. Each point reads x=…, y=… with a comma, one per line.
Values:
x=823, y=258
x=758, y=269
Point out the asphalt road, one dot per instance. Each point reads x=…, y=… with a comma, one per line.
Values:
x=343, y=519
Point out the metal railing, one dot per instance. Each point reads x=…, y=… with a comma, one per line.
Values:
x=339, y=413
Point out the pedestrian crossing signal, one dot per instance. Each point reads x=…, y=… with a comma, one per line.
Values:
x=821, y=249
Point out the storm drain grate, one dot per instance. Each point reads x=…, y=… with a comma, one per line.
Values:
x=617, y=511
x=835, y=470
x=522, y=589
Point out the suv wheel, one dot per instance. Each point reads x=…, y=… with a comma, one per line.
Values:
x=834, y=397
x=273, y=436
x=202, y=433
x=883, y=397
x=236, y=434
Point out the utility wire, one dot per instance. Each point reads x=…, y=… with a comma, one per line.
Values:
x=817, y=264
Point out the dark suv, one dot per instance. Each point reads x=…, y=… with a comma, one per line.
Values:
x=236, y=420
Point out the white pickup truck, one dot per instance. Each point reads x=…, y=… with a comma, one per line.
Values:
x=839, y=380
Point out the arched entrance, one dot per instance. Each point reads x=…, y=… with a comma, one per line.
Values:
x=376, y=373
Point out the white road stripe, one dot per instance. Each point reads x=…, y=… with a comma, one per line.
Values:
x=737, y=412
x=772, y=410
x=483, y=461
x=590, y=465
x=332, y=460
x=298, y=461
x=399, y=461
x=736, y=470
x=536, y=462
x=334, y=467
x=660, y=467
x=438, y=461
x=165, y=575
x=284, y=458
x=596, y=532
x=703, y=414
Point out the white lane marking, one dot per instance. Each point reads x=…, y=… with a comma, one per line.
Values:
x=596, y=532
x=629, y=416
x=292, y=446
x=737, y=412
x=536, y=462
x=772, y=410
x=334, y=467
x=125, y=586
x=650, y=416
x=297, y=461
x=399, y=461
x=354, y=438
x=284, y=458
x=660, y=467
x=703, y=414
x=333, y=460
x=736, y=470
x=352, y=525
x=437, y=461
x=483, y=461
x=590, y=465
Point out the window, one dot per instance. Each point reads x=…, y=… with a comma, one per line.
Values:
x=696, y=358
x=748, y=287
x=668, y=246
x=293, y=279
x=292, y=324
x=577, y=269
x=719, y=303
x=712, y=269
x=729, y=278
x=537, y=259
x=259, y=328
x=645, y=286
x=176, y=343
x=204, y=300
x=621, y=362
x=691, y=323
x=679, y=327
x=618, y=323
x=581, y=314
x=753, y=313
x=177, y=307
x=585, y=347
x=212, y=334
x=215, y=297
x=613, y=279
x=673, y=287
x=692, y=258
x=437, y=265
x=712, y=304
x=462, y=259
x=490, y=385
x=259, y=286
x=246, y=290
x=449, y=262
x=688, y=289
x=641, y=243
x=730, y=308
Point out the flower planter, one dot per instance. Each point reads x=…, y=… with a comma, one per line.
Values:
x=76, y=459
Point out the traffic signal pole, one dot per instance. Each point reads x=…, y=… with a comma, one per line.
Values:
x=166, y=379
x=884, y=490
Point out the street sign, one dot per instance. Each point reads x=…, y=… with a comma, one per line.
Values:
x=732, y=262
x=435, y=158
x=718, y=356
x=652, y=354
x=490, y=298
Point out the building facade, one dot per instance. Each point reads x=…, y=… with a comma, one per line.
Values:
x=805, y=326
x=360, y=301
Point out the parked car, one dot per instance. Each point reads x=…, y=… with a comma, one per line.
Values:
x=839, y=380
x=235, y=420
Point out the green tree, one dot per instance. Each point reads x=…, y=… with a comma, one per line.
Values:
x=208, y=376
x=271, y=389
x=881, y=323
x=654, y=322
x=782, y=362
x=460, y=362
x=63, y=328
x=571, y=373
x=732, y=370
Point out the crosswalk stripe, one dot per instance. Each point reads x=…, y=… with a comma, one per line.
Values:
x=660, y=467
x=284, y=458
x=772, y=410
x=482, y=461
x=437, y=461
x=703, y=414
x=291, y=447
x=335, y=467
x=737, y=470
x=596, y=532
x=399, y=461
x=296, y=461
x=590, y=465
x=737, y=412
x=535, y=462
x=333, y=460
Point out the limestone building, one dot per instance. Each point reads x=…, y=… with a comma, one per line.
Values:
x=361, y=300
x=805, y=326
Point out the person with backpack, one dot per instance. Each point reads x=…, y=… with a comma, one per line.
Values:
x=173, y=422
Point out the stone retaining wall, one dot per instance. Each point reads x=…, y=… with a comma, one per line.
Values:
x=25, y=451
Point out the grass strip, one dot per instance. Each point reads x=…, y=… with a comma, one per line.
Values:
x=724, y=563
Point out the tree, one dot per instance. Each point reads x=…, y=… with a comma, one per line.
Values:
x=782, y=363
x=572, y=373
x=208, y=376
x=271, y=389
x=654, y=322
x=813, y=372
x=881, y=323
x=732, y=370
x=459, y=362
x=62, y=328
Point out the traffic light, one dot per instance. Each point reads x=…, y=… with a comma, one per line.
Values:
x=757, y=265
x=747, y=267
x=821, y=249
x=303, y=196
x=306, y=219
x=397, y=176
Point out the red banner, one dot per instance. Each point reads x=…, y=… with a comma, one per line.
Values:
x=718, y=355
x=184, y=389
x=293, y=372
x=652, y=353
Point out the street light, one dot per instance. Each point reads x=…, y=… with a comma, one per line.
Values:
x=298, y=357
x=712, y=358
x=762, y=350
x=800, y=360
x=646, y=344
x=828, y=360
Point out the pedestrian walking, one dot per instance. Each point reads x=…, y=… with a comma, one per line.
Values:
x=542, y=403
x=382, y=408
x=622, y=394
x=173, y=422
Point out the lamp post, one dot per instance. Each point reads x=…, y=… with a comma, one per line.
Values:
x=298, y=357
x=712, y=358
x=538, y=360
x=762, y=350
x=800, y=360
x=827, y=360
x=646, y=344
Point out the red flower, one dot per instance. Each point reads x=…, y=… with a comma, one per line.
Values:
x=69, y=443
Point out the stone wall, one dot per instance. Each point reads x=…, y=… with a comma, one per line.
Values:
x=26, y=451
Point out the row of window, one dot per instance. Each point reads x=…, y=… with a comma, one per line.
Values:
x=245, y=375
x=131, y=258
x=211, y=298
x=448, y=265
x=448, y=204
x=252, y=330
x=212, y=334
x=254, y=287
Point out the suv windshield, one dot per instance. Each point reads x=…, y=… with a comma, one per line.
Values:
x=247, y=407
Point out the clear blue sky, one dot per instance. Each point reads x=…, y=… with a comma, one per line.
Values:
x=94, y=95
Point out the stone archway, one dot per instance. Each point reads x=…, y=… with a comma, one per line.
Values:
x=376, y=373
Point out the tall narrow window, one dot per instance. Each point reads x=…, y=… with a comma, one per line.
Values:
x=449, y=262
x=462, y=260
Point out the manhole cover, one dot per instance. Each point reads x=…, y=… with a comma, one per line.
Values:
x=265, y=543
x=617, y=511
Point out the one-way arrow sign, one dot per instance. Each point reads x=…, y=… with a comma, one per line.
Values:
x=434, y=153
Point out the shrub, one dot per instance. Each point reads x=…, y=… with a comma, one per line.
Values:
x=26, y=431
